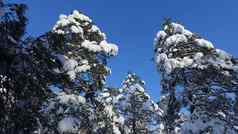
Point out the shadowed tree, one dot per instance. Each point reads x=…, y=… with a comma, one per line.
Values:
x=199, y=83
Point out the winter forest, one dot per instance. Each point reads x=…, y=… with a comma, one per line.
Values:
x=56, y=83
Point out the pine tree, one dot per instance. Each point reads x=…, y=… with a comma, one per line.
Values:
x=56, y=83
x=77, y=51
x=198, y=83
x=19, y=86
x=139, y=112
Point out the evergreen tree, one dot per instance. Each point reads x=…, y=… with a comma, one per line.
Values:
x=56, y=83
x=198, y=81
x=21, y=89
x=139, y=112
x=79, y=52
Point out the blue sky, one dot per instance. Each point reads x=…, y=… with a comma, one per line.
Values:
x=132, y=24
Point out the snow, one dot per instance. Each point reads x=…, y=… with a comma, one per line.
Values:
x=12, y=39
x=105, y=94
x=71, y=19
x=64, y=21
x=204, y=43
x=161, y=35
x=168, y=67
x=177, y=28
x=68, y=125
x=84, y=61
x=156, y=107
x=72, y=67
x=109, y=48
x=177, y=130
x=222, y=114
x=75, y=29
x=223, y=55
x=221, y=63
x=147, y=95
x=187, y=33
x=162, y=127
x=187, y=61
x=91, y=46
x=148, y=105
x=78, y=23
x=94, y=28
x=198, y=56
x=109, y=110
x=59, y=31
x=62, y=16
x=137, y=87
x=175, y=39
x=199, y=125
x=116, y=130
x=82, y=68
x=2, y=80
x=70, y=98
x=70, y=64
x=80, y=16
x=161, y=58
x=160, y=112
x=173, y=63
x=120, y=119
x=166, y=27
x=236, y=127
x=170, y=64
x=3, y=90
x=97, y=30
x=60, y=110
x=71, y=74
x=109, y=99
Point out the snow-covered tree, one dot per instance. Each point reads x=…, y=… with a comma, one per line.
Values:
x=55, y=83
x=78, y=51
x=199, y=83
x=20, y=87
x=66, y=113
x=140, y=113
x=109, y=97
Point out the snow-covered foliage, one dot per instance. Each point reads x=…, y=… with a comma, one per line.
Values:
x=79, y=51
x=71, y=113
x=19, y=86
x=67, y=113
x=108, y=97
x=69, y=125
x=81, y=25
x=56, y=83
x=140, y=113
x=132, y=109
x=199, y=83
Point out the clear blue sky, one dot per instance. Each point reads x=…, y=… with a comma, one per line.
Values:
x=132, y=24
